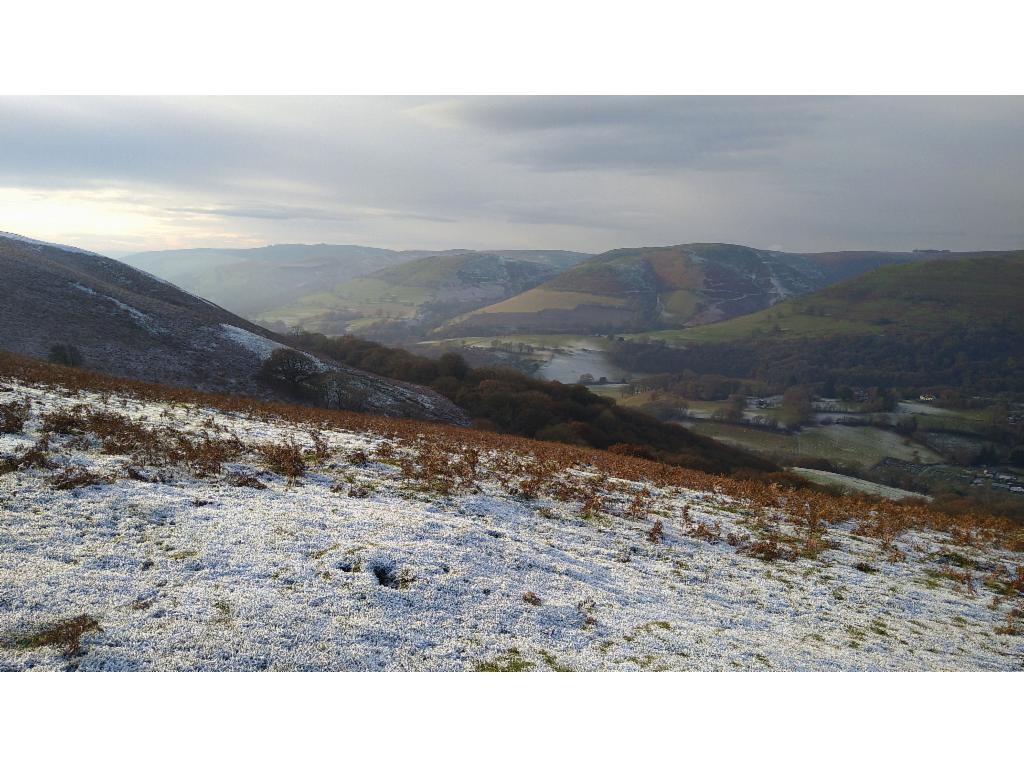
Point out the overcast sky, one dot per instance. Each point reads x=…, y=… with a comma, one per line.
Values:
x=120, y=175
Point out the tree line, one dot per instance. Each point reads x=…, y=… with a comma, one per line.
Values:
x=982, y=359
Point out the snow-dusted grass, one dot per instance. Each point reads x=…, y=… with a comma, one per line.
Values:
x=358, y=565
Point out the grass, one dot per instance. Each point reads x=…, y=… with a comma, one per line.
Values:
x=552, y=661
x=510, y=661
x=66, y=635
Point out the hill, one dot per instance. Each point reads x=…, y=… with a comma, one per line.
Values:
x=196, y=532
x=643, y=289
x=409, y=299
x=954, y=322
x=123, y=321
x=249, y=281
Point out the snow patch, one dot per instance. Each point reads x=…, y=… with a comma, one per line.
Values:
x=261, y=345
x=144, y=320
x=83, y=288
x=194, y=573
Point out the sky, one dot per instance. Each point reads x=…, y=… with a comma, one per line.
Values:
x=120, y=175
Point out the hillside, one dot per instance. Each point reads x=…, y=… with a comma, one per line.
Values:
x=187, y=533
x=642, y=289
x=122, y=321
x=507, y=401
x=410, y=299
x=249, y=281
x=953, y=322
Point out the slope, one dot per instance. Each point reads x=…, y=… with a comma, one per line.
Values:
x=403, y=546
x=126, y=322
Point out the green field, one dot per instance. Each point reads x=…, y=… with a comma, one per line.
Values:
x=543, y=298
x=852, y=446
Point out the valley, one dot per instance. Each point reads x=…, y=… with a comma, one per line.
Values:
x=647, y=422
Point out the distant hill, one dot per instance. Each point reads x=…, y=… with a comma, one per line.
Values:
x=125, y=322
x=952, y=322
x=249, y=281
x=412, y=298
x=642, y=289
x=977, y=288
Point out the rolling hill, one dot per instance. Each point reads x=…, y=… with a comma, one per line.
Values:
x=951, y=322
x=409, y=299
x=125, y=322
x=924, y=297
x=643, y=289
x=249, y=281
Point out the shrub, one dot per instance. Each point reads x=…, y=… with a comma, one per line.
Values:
x=12, y=417
x=66, y=634
x=284, y=459
x=640, y=505
x=321, y=447
x=657, y=531
x=75, y=477
x=768, y=550
x=66, y=421
x=207, y=455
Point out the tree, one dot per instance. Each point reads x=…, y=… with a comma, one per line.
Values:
x=65, y=354
x=732, y=410
x=452, y=364
x=796, y=406
x=288, y=370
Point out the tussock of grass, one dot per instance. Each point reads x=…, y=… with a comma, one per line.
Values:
x=66, y=635
x=510, y=661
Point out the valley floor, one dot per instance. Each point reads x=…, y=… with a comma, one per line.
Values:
x=353, y=566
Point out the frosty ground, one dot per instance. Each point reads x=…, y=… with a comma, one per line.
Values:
x=353, y=567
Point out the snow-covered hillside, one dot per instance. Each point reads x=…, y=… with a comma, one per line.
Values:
x=141, y=535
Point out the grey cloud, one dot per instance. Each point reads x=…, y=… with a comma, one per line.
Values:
x=638, y=133
x=563, y=214
x=583, y=173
